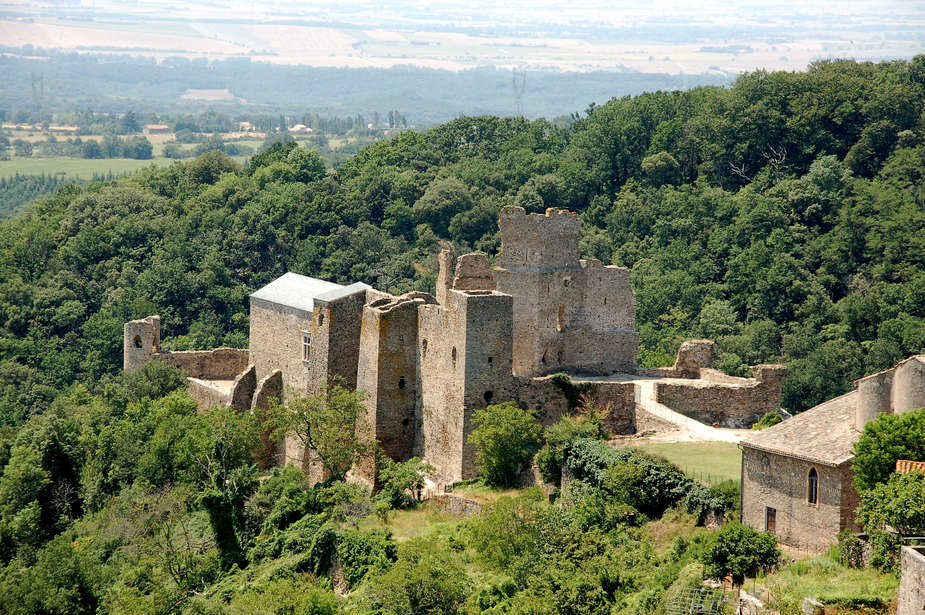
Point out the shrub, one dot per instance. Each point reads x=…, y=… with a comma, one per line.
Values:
x=403, y=481
x=768, y=420
x=850, y=551
x=426, y=578
x=505, y=438
x=359, y=552
x=558, y=437
x=898, y=504
x=890, y=437
x=739, y=551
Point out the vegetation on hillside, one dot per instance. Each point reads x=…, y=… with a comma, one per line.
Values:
x=782, y=217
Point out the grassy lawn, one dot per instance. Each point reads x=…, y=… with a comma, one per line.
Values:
x=711, y=462
x=74, y=168
x=82, y=168
x=407, y=524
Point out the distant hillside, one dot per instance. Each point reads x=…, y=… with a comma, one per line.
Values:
x=106, y=83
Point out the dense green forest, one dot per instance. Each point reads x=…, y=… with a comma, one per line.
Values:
x=782, y=217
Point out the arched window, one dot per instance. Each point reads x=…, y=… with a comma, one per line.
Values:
x=812, y=487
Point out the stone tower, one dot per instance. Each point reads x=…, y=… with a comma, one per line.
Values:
x=569, y=314
x=141, y=340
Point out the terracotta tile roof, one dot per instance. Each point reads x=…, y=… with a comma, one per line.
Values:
x=824, y=433
x=904, y=466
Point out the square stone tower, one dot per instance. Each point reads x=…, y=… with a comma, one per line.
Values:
x=570, y=314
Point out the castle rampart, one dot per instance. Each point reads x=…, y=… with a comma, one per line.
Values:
x=569, y=314
x=425, y=364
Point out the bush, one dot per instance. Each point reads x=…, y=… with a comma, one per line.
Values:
x=739, y=551
x=505, y=438
x=426, y=578
x=360, y=552
x=899, y=505
x=890, y=437
x=403, y=482
x=558, y=437
x=768, y=420
x=850, y=550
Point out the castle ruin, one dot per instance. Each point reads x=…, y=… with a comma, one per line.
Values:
x=488, y=335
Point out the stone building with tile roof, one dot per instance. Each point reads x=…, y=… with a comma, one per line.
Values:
x=796, y=476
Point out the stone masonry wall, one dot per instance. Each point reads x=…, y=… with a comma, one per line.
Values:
x=912, y=582
x=487, y=358
x=569, y=314
x=438, y=415
x=276, y=343
x=387, y=373
x=780, y=482
x=728, y=402
x=207, y=395
x=336, y=331
x=218, y=364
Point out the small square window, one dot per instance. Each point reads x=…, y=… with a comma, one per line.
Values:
x=306, y=345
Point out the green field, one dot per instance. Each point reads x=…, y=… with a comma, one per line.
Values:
x=711, y=462
x=80, y=168
x=74, y=168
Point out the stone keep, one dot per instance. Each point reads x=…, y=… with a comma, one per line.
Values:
x=570, y=314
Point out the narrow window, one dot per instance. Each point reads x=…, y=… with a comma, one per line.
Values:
x=453, y=356
x=770, y=519
x=401, y=382
x=488, y=396
x=812, y=487
x=489, y=360
x=560, y=318
x=424, y=349
x=306, y=345
x=320, y=319
x=137, y=341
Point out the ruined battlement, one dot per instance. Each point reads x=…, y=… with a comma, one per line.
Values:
x=538, y=242
x=425, y=363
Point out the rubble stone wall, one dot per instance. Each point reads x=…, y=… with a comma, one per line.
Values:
x=912, y=582
x=722, y=400
x=206, y=395
x=276, y=343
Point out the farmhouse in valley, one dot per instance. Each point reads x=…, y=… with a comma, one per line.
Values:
x=487, y=335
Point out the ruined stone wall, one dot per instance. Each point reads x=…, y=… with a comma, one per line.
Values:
x=388, y=375
x=336, y=325
x=140, y=342
x=486, y=354
x=276, y=343
x=569, y=314
x=217, y=364
x=617, y=401
x=465, y=363
x=726, y=401
x=912, y=582
x=780, y=482
x=438, y=415
x=207, y=395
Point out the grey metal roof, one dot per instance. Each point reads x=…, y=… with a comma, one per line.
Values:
x=340, y=293
x=295, y=291
x=824, y=433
